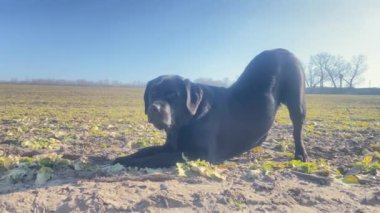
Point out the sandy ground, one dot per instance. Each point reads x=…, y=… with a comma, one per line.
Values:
x=164, y=191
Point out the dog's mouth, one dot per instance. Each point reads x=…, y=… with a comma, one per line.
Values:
x=160, y=124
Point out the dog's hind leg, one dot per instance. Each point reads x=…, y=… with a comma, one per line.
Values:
x=297, y=112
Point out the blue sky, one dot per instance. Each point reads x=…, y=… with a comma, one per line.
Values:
x=139, y=40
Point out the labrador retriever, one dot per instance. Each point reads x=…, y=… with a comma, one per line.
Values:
x=216, y=123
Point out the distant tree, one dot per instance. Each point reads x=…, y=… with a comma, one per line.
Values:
x=79, y=82
x=318, y=64
x=14, y=80
x=116, y=83
x=356, y=69
x=338, y=70
x=312, y=79
x=328, y=68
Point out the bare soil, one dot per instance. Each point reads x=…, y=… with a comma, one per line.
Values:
x=164, y=191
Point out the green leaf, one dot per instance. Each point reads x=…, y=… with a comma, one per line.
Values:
x=227, y=165
x=182, y=169
x=6, y=162
x=309, y=167
x=80, y=165
x=351, y=179
x=295, y=163
x=26, y=160
x=46, y=162
x=257, y=150
x=16, y=175
x=96, y=131
x=268, y=167
x=40, y=143
x=198, y=167
x=376, y=155
x=367, y=160
x=305, y=167
x=62, y=162
x=376, y=165
x=338, y=174
x=117, y=168
x=43, y=175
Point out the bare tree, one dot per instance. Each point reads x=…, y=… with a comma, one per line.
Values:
x=312, y=78
x=357, y=67
x=318, y=64
x=328, y=68
x=338, y=70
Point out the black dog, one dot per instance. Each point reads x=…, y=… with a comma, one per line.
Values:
x=215, y=123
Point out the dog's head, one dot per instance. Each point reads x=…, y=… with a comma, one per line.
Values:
x=171, y=101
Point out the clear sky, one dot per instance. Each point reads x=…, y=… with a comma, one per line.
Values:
x=137, y=40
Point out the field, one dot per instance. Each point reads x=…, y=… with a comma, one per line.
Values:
x=57, y=142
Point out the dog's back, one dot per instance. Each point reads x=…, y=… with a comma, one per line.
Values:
x=276, y=71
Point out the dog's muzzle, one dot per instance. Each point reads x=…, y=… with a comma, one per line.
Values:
x=159, y=115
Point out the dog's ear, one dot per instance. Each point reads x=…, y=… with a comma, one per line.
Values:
x=146, y=95
x=194, y=97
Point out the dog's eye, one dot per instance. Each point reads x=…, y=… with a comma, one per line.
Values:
x=171, y=95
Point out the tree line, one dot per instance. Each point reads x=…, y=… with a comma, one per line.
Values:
x=327, y=70
x=324, y=70
x=79, y=82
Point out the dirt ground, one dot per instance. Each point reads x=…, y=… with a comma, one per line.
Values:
x=164, y=191
x=87, y=127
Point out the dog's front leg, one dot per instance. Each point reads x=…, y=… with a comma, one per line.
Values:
x=158, y=160
x=144, y=152
x=172, y=139
x=143, y=156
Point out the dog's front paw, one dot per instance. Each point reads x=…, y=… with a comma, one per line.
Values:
x=120, y=160
x=302, y=157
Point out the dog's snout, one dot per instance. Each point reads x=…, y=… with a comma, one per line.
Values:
x=159, y=115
